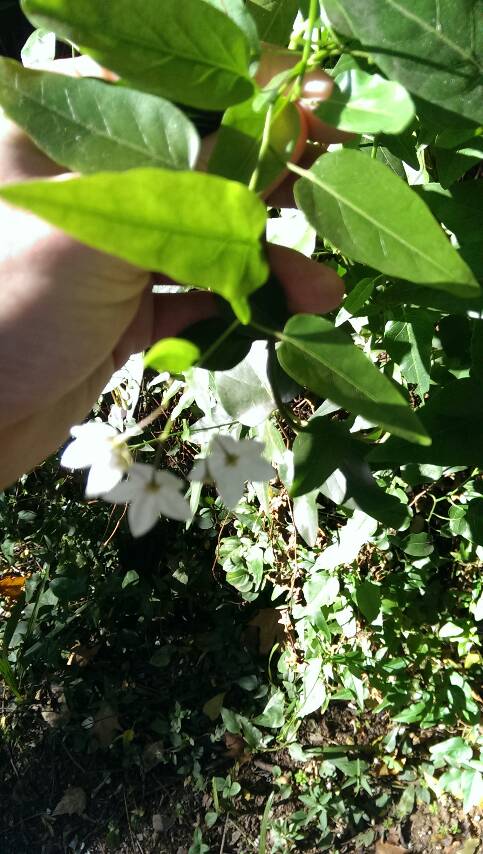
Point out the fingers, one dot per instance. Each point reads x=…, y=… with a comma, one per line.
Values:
x=310, y=287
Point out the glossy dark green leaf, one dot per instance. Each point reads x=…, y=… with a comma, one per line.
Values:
x=431, y=48
x=474, y=517
x=359, y=295
x=172, y=354
x=367, y=103
x=375, y=218
x=87, y=125
x=453, y=417
x=454, y=332
x=274, y=19
x=189, y=52
x=408, y=342
x=417, y=545
x=199, y=229
x=324, y=359
x=459, y=208
x=426, y=298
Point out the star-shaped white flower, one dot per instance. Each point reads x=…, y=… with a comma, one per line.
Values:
x=230, y=464
x=101, y=448
x=149, y=492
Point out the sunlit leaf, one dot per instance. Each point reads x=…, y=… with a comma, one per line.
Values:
x=88, y=125
x=366, y=103
x=375, y=218
x=191, y=53
x=198, y=229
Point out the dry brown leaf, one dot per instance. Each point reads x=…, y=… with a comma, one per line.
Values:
x=235, y=746
x=106, y=724
x=271, y=629
x=72, y=802
x=387, y=848
x=12, y=586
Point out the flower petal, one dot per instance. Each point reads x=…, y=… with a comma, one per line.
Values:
x=174, y=506
x=200, y=471
x=143, y=513
x=103, y=477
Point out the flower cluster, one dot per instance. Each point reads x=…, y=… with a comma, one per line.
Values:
x=114, y=475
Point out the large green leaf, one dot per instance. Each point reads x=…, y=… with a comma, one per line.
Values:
x=199, y=229
x=408, y=342
x=375, y=218
x=325, y=359
x=237, y=11
x=326, y=446
x=367, y=103
x=87, y=125
x=189, y=52
x=453, y=418
x=432, y=48
x=274, y=19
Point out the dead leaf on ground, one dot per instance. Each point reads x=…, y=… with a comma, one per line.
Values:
x=387, y=848
x=471, y=846
x=12, y=586
x=72, y=802
x=271, y=629
x=55, y=710
x=235, y=746
x=106, y=724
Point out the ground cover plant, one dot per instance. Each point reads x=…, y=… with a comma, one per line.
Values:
x=293, y=664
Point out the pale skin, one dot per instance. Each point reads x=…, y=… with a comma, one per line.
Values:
x=70, y=315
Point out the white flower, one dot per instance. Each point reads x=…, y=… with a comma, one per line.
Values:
x=230, y=464
x=102, y=449
x=149, y=492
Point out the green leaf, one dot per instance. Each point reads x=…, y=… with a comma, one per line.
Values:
x=453, y=417
x=459, y=208
x=244, y=391
x=325, y=359
x=326, y=446
x=87, y=125
x=199, y=229
x=431, y=48
x=237, y=11
x=368, y=599
x=452, y=165
x=306, y=517
x=172, y=354
x=417, y=545
x=367, y=103
x=193, y=53
x=359, y=295
x=239, y=141
x=474, y=518
x=375, y=218
x=273, y=713
x=314, y=692
x=274, y=19
x=408, y=343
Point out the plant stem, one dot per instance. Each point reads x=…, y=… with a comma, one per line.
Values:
x=263, y=149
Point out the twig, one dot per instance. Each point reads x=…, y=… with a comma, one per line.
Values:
x=222, y=846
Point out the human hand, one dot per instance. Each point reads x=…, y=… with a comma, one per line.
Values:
x=69, y=315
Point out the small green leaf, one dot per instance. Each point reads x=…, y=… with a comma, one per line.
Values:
x=367, y=103
x=368, y=599
x=325, y=359
x=172, y=354
x=417, y=545
x=199, y=229
x=39, y=48
x=408, y=342
x=306, y=517
x=191, y=53
x=372, y=216
x=87, y=125
x=273, y=714
x=314, y=693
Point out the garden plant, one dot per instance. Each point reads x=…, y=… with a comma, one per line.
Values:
x=300, y=645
